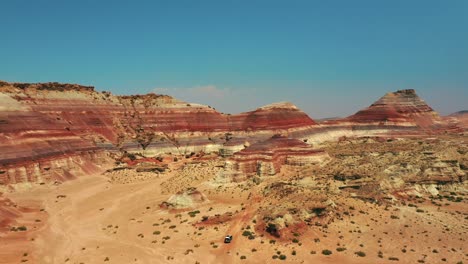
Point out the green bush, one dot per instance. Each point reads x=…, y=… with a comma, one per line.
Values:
x=193, y=213
x=327, y=252
x=246, y=233
x=360, y=253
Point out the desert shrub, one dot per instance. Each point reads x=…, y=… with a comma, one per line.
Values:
x=246, y=233
x=193, y=213
x=360, y=253
x=256, y=180
x=393, y=258
x=318, y=211
x=131, y=156
x=326, y=252
x=282, y=257
x=156, y=232
x=340, y=249
x=243, y=257
x=272, y=230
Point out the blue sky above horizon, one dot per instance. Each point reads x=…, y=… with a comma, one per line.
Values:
x=330, y=58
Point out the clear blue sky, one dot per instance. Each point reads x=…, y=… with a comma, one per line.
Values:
x=330, y=58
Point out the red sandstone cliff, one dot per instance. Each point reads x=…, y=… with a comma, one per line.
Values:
x=49, y=131
x=458, y=121
x=267, y=157
x=400, y=107
x=62, y=127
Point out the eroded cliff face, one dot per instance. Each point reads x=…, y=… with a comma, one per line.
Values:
x=457, y=122
x=400, y=107
x=44, y=123
x=266, y=158
x=397, y=114
x=53, y=131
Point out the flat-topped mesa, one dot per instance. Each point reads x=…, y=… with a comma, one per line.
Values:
x=267, y=157
x=460, y=113
x=400, y=107
x=279, y=105
x=150, y=97
x=50, y=86
x=144, y=96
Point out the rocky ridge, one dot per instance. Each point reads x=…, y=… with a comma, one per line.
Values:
x=50, y=126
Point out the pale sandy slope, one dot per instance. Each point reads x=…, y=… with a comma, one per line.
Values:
x=75, y=227
x=97, y=220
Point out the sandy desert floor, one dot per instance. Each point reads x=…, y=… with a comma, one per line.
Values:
x=106, y=219
x=95, y=221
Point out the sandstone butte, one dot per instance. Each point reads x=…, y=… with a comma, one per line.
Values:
x=52, y=131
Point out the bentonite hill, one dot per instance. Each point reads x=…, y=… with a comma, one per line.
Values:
x=90, y=177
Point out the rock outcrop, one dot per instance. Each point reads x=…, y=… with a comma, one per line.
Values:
x=458, y=122
x=42, y=123
x=184, y=199
x=50, y=127
x=397, y=114
x=266, y=157
x=403, y=107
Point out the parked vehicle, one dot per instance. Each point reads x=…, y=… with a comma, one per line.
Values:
x=228, y=239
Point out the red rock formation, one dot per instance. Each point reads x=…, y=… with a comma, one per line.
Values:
x=458, y=121
x=65, y=127
x=40, y=123
x=396, y=114
x=278, y=116
x=400, y=107
x=267, y=157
